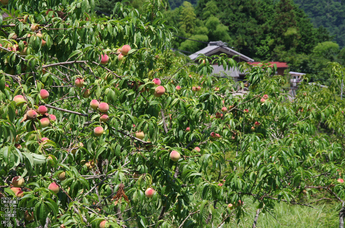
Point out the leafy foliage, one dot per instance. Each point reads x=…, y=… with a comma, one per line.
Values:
x=262, y=147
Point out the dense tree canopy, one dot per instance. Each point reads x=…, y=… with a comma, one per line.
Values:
x=102, y=125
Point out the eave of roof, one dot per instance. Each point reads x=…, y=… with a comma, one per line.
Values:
x=209, y=50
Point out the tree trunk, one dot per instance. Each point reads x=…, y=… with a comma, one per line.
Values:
x=341, y=215
x=256, y=218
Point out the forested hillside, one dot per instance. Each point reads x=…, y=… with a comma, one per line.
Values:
x=329, y=14
x=265, y=30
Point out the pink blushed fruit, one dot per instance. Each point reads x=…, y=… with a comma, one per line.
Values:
x=52, y=118
x=44, y=94
x=262, y=100
x=104, y=59
x=213, y=134
x=149, y=192
x=198, y=88
x=178, y=87
x=42, y=109
x=44, y=122
x=103, y=107
x=103, y=224
x=44, y=139
x=257, y=123
x=220, y=184
x=224, y=109
x=340, y=180
x=218, y=136
x=31, y=114
x=157, y=81
x=94, y=104
x=54, y=187
x=175, y=156
x=125, y=49
x=120, y=57
x=79, y=82
x=19, y=99
x=194, y=88
x=230, y=206
x=16, y=190
x=197, y=149
x=265, y=96
x=98, y=131
x=159, y=91
x=188, y=129
x=17, y=181
x=246, y=110
x=104, y=118
x=140, y=135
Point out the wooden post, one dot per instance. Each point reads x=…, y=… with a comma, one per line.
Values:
x=342, y=86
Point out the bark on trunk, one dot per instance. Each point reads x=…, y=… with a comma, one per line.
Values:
x=256, y=218
x=341, y=215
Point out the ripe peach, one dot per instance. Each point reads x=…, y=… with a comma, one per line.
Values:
x=213, y=134
x=54, y=187
x=16, y=190
x=194, y=88
x=224, y=109
x=31, y=114
x=120, y=57
x=149, y=192
x=42, y=109
x=104, y=59
x=340, y=180
x=103, y=107
x=19, y=99
x=178, y=87
x=197, y=149
x=94, y=104
x=52, y=117
x=44, y=139
x=44, y=94
x=125, y=49
x=198, y=88
x=218, y=136
x=104, y=118
x=98, y=131
x=17, y=181
x=140, y=135
x=157, y=81
x=103, y=224
x=230, y=206
x=45, y=122
x=257, y=123
x=34, y=27
x=79, y=82
x=43, y=42
x=159, y=91
x=174, y=155
x=265, y=96
x=188, y=129
x=246, y=110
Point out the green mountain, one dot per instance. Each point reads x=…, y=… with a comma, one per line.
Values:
x=329, y=14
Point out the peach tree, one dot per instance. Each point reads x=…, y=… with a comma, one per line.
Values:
x=102, y=125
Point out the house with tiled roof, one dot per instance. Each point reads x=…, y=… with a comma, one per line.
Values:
x=281, y=66
x=217, y=48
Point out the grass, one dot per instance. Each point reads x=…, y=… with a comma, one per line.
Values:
x=283, y=215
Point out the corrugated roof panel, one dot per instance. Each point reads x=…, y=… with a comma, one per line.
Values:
x=233, y=72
